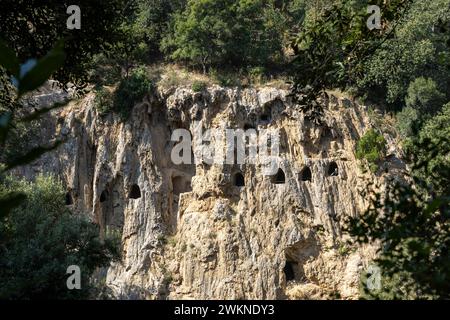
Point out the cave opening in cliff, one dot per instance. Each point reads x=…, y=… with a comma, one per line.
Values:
x=279, y=178
x=264, y=118
x=333, y=170
x=288, y=270
x=104, y=196
x=249, y=126
x=239, y=180
x=305, y=174
x=69, y=200
x=181, y=184
x=135, y=192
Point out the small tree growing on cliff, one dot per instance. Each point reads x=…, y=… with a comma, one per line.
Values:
x=371, y=147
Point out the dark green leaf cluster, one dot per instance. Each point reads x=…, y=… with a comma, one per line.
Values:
x=41, y=238
x=411, y=220
x=371, y=147
x=32, y=28
x=130, y=91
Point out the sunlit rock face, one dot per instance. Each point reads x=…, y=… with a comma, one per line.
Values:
x=218, y=231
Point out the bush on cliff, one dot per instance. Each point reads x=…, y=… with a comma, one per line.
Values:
x=131, y=90
x=371, y=147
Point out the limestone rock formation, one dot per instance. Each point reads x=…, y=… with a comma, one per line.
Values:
x=217, y=231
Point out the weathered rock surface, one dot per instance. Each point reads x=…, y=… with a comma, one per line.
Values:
x=187, y=231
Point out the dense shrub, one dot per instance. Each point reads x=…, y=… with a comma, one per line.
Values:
x=424, y=96
x=406, y=121
x=198, y=86
x=103, y=101
x=257, y=74
x=435, y=132
x=104, y=71
x=371, y=147
x=41, y=238
x=131, y=90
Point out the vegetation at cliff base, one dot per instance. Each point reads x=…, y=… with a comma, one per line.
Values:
x=41, y=238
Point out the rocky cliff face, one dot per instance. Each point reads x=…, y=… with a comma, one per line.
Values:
x=194, y=231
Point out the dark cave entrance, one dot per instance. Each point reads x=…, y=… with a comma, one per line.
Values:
x=104, y=196
x=266, y=115
x=333, y=170
x=181, y=184
x=135, y=192
x=265, y=118
x=305, y=174
x=69, y=200
x=288, y=270
x=239, y=180
x=296, y=255
x=249, y=126
x=279, y=178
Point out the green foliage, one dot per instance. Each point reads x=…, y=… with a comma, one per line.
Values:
x=371, y=147
x=422, y=101
x=100, y=21
x=430, y=150
x=296, y=12
x=333, y=46
x=26, y=77
x=424, y=96
x=130, y=48
x=41, y=238
x=256, y=74
x=226, y=33
x=411, y=220
x=198, y=86
x=131, y=90
x=407, y=119
x=154, y=18
x=412, y=227
x=104, y=71
x=418, y=47
x=103, y=101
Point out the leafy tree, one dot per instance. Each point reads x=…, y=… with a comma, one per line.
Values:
x=41, y=238
x=231, y=32
x=154, y=18
x=422, y=101
x=410, y=221
x=131, y=90
x=371, y=147
x=295, y=10
x=419, y=47
x=424, y=96
x=130, y=49
x=432, y=164
x=32, y=27
x=332, y=48
x=407, y=121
